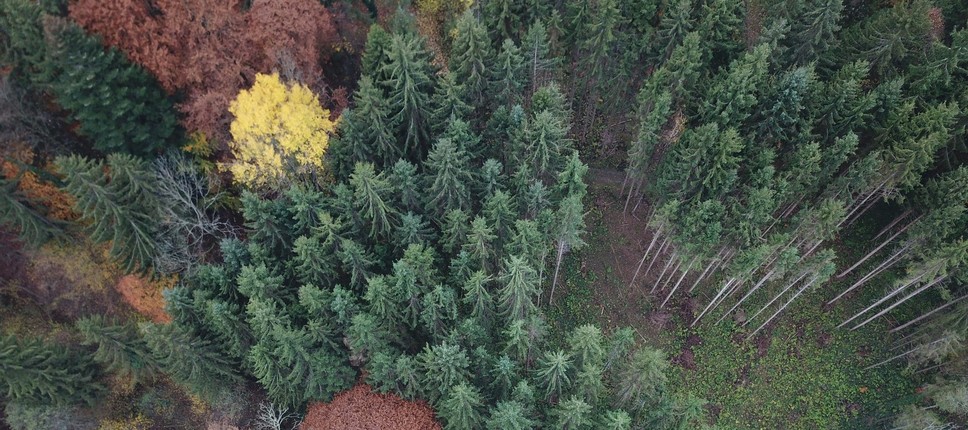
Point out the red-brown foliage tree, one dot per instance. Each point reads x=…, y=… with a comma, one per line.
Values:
x=208, y=50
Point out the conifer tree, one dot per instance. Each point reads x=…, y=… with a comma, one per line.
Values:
x=406, y=182
x=410, y=83
x=118, y=105
x=816, y=32
x=554, y=374
x=375, y=54
x=448, y=102
x=190, y=360
x=478, y=297
x=371, y=196
x=120, y=348
x=121, y=207
x=443, y=367
x=508, y=76
x=471, y=54
x=547, y=141
x=536, y=51
x=32, y=371
x=509, y=415
x=462, y=408
x=676, y=22
x=642, y=379
x=447, y=178
x=573, y=413
x=730, y=100
x=366, y=133
x=16, y=211
x=519, y=290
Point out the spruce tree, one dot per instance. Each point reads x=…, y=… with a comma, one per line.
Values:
x=119, y=106
x=507, y=77
x=366, y=132
x=554, y=374
x=410, y=83
x=120, y=348
x=371, y=197
x=120, y=206
x=32, y=371
x=448, y=102
x=519, y=289
x=573, y=413
x=447, y=179
x=25, y=218
x=443, y=366
x=190, y=360
x=470, y=56
x=406, y=181
x=462, y=408
x=509, y=415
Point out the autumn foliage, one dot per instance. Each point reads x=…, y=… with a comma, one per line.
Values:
x=279, y=130
x=360, y=408
x=209, y=50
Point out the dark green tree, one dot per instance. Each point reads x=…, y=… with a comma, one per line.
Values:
x=120, y=348
x=411, y=83
x=32, y=371
x=462, y=408
x=471, y=53
x=448, y=178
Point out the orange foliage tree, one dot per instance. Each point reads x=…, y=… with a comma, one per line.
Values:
x=209, y=50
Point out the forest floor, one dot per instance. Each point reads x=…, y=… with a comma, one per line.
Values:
x=798, y=373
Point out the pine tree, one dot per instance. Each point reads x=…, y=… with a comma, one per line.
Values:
x=24, y=45
x=546, y=140
x=443, y=366
x=356, y=261
x=817, y=30
x=676, y=22
x=573, y=414
x=447, y=179
x=491, y=178
x=730, y=100
x=448, y=102
x=616, y=420
x=536, y=51
x=32, y=371
x=642, y=379
x=478, y=297
x=120, y=348
x=118, y=105
x=571, y=220
x=375, y=54
x=413, y=229
x=406, y=182
x=454, y=230
x=121, y=207
x=366, y=133
x=439, y=311
x=462, y=408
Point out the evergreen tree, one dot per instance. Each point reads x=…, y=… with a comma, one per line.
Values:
x=507, y=78
x=538, y=59
x=470, y=56
x=406, y=181
x=189, y=360
x=573, y=413
x=642, y=379
x=413, y=229
x=509, y=415
x=547, y=141
x=439, y=311
x=448, y=102
x=730, y=100
x=371, y=195
x=554, y=374
x=32, y=371
x=676, y=22
x=410, y=83
x=816, y=32
x=375, y=54
x=519, y=290
x=356, y=261
x=120, y=207
x=454, y=230
x=443, y=366
x=447, y=178
x=478, y=297
x=366, y=133
x=119, y=106
x=24, y=217
x=119, y=348
x=462, y=408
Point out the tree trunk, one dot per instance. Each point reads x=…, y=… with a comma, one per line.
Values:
x=672, y=274
x=904, y=299
x=879, y=247
x=884, y=299
x=923, y=316
x=899, y=218
x=777, y=297
x=800, y=291
x=748, y=294
x=646, y=254
x=888, y=263
x=672, y=258
x=665, y=245
x=674, y=288
x=561, y=253
x=713, y=301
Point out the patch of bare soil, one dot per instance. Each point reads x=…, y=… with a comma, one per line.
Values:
x=614, y=256
x=360, y=408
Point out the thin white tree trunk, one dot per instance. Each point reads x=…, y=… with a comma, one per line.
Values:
x=886, y=264
x=904, y=299
x=713, y=301
x=561, y=253
x=897, y=220
x=665, y=244
x=672, y=259
x=923, y=316
x=644, y=256
x=875, y=250
x=904, y=354
x=893, y=293
x=776, y=297
x=748, y=294
x=799, y=292
x=712, y=265
x=674, y=288
x=672, y=274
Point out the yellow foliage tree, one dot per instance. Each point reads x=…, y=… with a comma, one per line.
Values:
x=279, y=131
